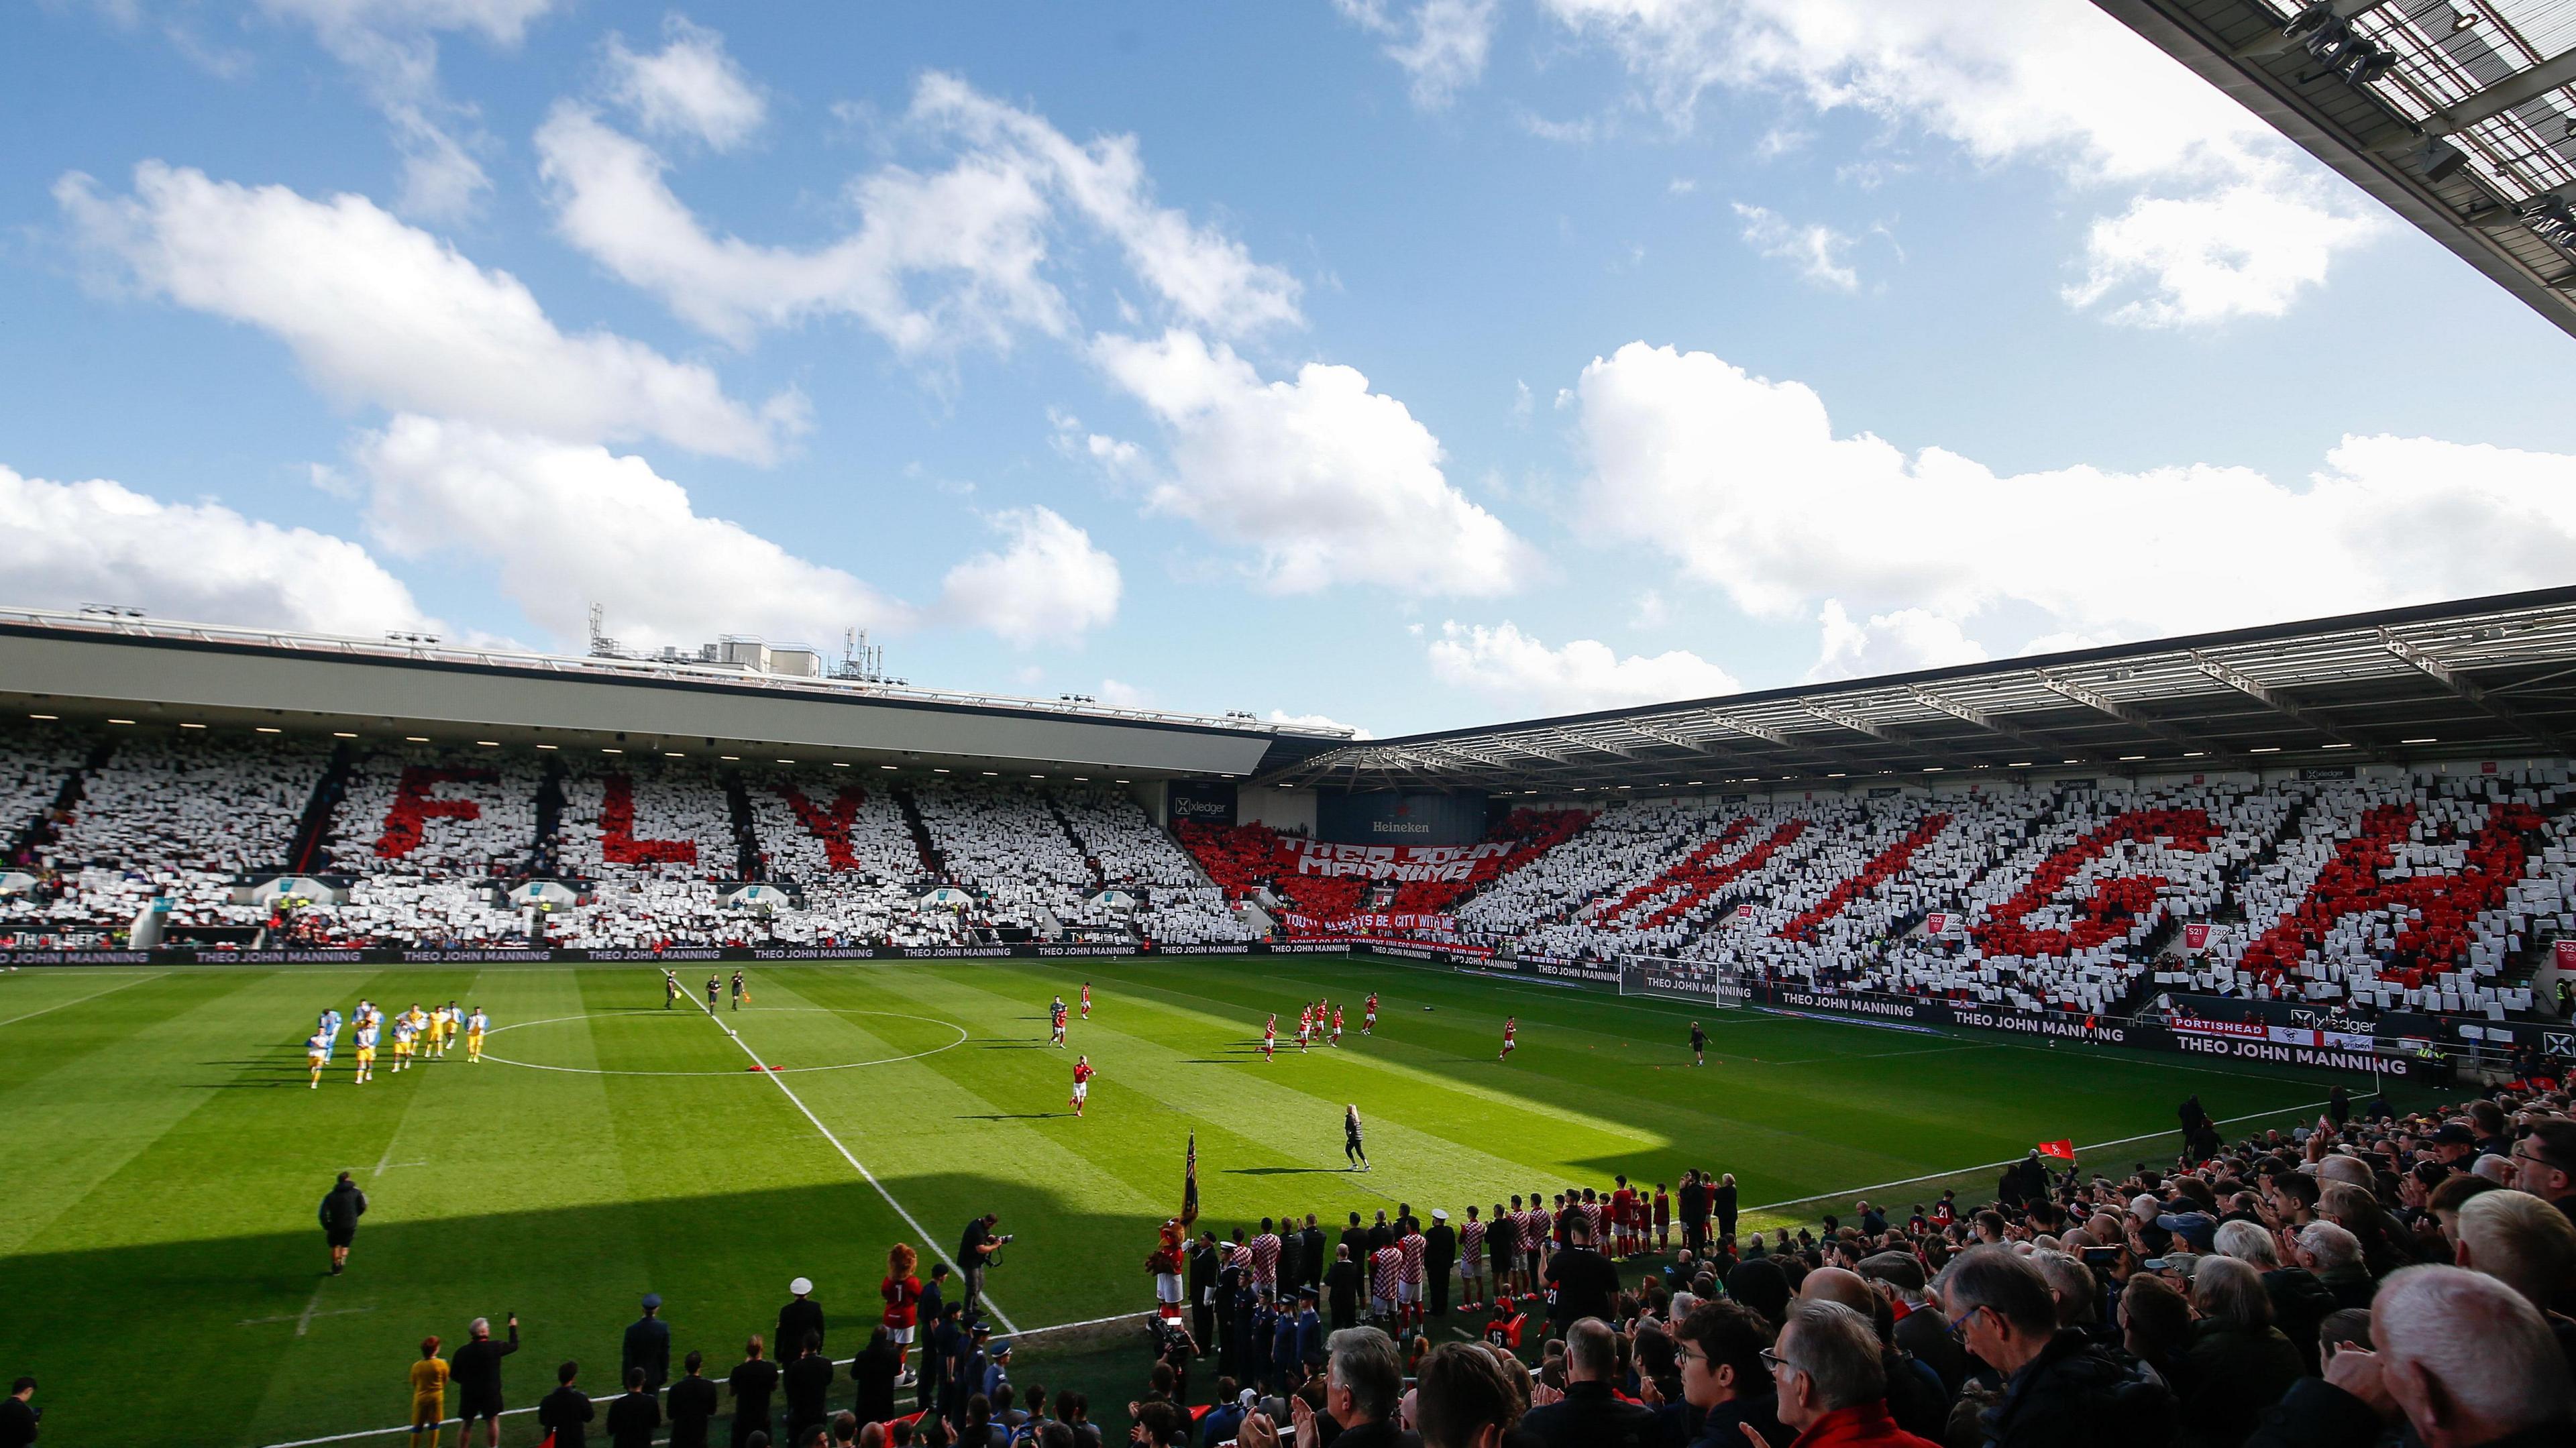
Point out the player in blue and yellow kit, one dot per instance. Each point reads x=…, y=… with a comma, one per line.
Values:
x=475, y=1025
x=317, y=1054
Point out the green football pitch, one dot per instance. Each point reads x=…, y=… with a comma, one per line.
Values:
x=161, y=1270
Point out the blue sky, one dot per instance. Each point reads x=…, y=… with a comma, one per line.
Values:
x=1406, y=364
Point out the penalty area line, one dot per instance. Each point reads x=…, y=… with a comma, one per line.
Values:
x=770, y=1075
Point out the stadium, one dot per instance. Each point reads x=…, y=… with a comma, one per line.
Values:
x=2210, y=986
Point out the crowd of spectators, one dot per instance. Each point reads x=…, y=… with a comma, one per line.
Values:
x=2381, y=892
x=2425, y=890
x=2342, y=1285
x=170, y=817
x=2366, y=1279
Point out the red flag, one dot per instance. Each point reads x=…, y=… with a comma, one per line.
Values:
x=2062, y=1150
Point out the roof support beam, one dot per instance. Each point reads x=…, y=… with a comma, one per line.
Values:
x=2504, y=95
x=1852, y=722
x=2191, y=743
x=1947, y=756
x=2038, y=744
x=2477, y=698
x=1580, y=742
x=2261, y=693
x=1749, y=730
x=2519, y=88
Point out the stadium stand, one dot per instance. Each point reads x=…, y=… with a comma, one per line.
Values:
x=176, y=817
x=653, y=838
x=2391, y=889
x=849, y=853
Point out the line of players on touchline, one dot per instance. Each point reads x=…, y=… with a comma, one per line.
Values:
x=417, y=1035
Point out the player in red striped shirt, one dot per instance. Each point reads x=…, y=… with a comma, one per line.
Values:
x=1409, y=1293
x=1386, y=1271
x=1471, y=1263
x=1538, y=1229
x=1265, y=1262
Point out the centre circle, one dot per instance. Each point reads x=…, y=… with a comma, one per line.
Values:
x=497, y=1031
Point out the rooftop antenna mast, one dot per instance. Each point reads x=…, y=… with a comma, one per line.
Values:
x=601, y=645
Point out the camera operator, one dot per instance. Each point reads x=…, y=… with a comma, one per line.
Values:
x=975, y=1252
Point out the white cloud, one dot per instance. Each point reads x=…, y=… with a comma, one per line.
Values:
x=1889, y=643
x=2035, y=81
x=1815, y=249
x=1528, y=677
x=1124, y=695
x=66, y=544
x=1047, y=585
x=392, y=47
x=2247, y=251
x=1330, y=482
x=689, y=88
x=977, y=233
x=1694, y=457
x=1208, y=278
x=380, y=312
x=1318, y=721
x=565, y=525
x=441, y=180
x=978, y=225
x=1442, y=44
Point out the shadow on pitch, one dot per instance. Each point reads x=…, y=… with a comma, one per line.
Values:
x=1015, y=1116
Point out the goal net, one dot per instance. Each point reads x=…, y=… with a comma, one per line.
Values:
x=1702, y=982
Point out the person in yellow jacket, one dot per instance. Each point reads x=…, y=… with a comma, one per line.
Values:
x=428, y=1393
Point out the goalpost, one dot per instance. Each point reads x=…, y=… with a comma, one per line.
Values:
x=1701, y=982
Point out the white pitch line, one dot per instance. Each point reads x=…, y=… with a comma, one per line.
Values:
x=1997, y=1165
x=305, y=1323
x=304, y=1317
x=857, y=1165
x=93, y=995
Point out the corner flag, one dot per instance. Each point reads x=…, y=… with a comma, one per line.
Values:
x=1190, y=1184
x=2062, y=1150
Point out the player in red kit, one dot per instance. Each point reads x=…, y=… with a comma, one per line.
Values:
x=1270, y=1038
x=1511, y=1028
x=1337, y=1027
x=1081, y=1083
x=1623, y=1219
x=1086, y=1000
x=1368, y=1022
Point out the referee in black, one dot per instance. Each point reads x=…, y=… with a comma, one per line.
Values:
x=1699, y=1045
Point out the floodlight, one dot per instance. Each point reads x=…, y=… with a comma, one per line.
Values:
x=2439, y=159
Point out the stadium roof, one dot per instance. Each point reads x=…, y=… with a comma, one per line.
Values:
x=117, y=663
x=2481, y=677
x=2457, y=114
